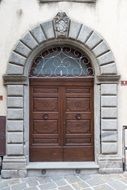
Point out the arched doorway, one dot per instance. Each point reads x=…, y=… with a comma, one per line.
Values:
x=61, y=106
x=61, y=30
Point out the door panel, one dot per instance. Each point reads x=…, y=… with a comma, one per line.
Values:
x=61, y=125
x=44, y=124
x=78, y=104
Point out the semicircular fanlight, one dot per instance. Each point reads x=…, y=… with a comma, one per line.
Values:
x=61, y=61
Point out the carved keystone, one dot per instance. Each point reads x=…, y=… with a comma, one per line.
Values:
x=61, y=24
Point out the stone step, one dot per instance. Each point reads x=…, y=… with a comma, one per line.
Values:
x=61, y=168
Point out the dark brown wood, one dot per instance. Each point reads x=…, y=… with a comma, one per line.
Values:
x=2, y=135
x=61, y=120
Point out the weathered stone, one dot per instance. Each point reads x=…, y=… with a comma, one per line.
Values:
x=109, y=101
x=15, y=149
x=125, y=138
x=95, y=180
x=22, y=173
x=17, y=58
x=6, y=174
x=31, y=181
x=19, y=186
x=107, y=89
x=84, y=33
x=15, y=137
x=109, y=136
x=93, y=40
x=60, y=182
x=106, y=58
x=104, y=187
x=100, y=48
x=14, y=69
x=117, y=185
x=29, y=41
x=50, y=185
x=48, y=29
x=109, y=69
x=38, y=34
x=22, y=49
x=15, y=113
x=109, y=124
x=74, y=29
x=109, y=147
x=16, y=125
x=16, y=162
x=108, y=112
x=15, y=90
x=15, y=102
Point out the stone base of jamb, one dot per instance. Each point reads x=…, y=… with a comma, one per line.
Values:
x=110, y=164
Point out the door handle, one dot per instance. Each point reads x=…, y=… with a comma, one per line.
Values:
x=78, y=116
x=45, y=116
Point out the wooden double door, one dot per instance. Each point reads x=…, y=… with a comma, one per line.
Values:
x=61, y=120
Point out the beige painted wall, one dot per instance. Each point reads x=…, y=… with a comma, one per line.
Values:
x=107, y=17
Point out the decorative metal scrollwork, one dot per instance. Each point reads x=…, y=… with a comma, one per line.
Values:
x=61, y=62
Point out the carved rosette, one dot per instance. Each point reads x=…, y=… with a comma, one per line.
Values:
x=61, y=24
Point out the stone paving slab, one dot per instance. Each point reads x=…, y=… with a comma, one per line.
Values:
x=68, y=182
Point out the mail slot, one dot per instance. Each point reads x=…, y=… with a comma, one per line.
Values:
x=2, y=135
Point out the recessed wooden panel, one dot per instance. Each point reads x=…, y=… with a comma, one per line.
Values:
x=45, y=141
x=61, y=125
x=44, y=90
x=78, y=153
x=42, y=126
x=51, y=115
x=78, y=104
x=76, y=141
x=44, y=104
x=46, y=154
x=82, y=126
x=72, y=115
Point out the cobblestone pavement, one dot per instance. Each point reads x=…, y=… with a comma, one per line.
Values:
x=68, y=182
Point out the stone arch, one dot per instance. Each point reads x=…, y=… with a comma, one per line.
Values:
x=76, y=31
x=61, y=28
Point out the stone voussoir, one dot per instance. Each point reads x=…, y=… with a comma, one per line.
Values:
x=14, y=69
x=48, y=29
x=29, y=41
x=74, y=29
x=22, y=49
x=106, y=58
x=109, y=69
x=93, y=40
x=101, y=48
x=84, y=34
x=38, y=34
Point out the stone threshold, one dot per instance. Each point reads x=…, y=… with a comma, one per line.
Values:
x=62, y=165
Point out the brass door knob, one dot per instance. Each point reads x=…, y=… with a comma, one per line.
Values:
x=78, y=116
x=45, y=116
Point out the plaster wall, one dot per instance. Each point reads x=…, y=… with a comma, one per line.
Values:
x=107, y=17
